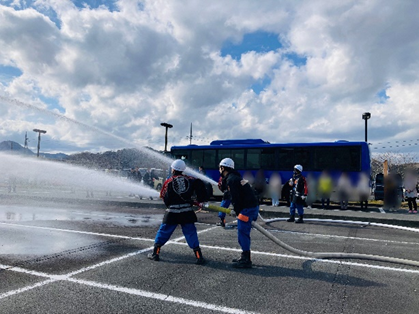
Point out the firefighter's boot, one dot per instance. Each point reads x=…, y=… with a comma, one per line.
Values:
x=198, y=254
x=222, y=223
x=244, y=261
x=155, y=255
x=300, y=220
x=291, y=219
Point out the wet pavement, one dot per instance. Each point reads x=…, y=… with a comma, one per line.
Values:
x=70, y=254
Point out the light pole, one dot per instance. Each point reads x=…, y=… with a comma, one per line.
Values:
x=167, y=126
x=366, y=116
x=39, y=138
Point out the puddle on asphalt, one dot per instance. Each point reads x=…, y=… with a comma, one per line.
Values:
x=29, y=213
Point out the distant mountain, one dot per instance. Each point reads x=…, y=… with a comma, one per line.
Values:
x=122, y=159
x=13, y=147
x=57, y=156
x=16, y=148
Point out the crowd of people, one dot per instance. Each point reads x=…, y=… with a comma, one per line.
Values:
x=147, y=177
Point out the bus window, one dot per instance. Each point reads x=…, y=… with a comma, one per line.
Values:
x=210, y=161
x=181, y=154
x=238, y=157
x=263, y=158
x=197, y=158
x=337, y=158
x=253, y=156
x=267, y=159
x=355, y=158
x=286, y=159
x=302, y=157
x=236, y=154
x=324, y=158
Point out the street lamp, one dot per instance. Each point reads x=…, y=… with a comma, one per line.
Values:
x=366, y=116
x=39, y=138
x=167, y=126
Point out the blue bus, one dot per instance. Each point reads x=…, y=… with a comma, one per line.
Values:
x=251, y=155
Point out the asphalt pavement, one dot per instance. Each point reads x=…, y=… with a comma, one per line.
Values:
x=64, y=252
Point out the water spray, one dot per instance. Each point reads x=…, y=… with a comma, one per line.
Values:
x=317, y=255
x=59, y=116
x=59, y=174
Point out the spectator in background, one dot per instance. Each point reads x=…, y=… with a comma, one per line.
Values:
x=325, y=188
x=137, y=175
x=312, y=190
x=208, y=185
x=202, y=171
x=286, y=194
x=131, y=174
x=364, y=189
x=410, y=183
x=259, y=185
x=391, y=192
x=344, y=188
x=148, y=179
x=248, y=176
x=275, y=186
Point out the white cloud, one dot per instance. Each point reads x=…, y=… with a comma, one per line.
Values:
x=126, y=71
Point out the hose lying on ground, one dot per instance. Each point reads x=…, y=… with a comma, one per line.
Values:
x=317, y=255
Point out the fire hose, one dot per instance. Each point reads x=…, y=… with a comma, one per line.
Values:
x=317, y=255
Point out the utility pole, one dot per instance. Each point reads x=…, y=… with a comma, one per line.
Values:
x=190, y=136
x=39, y=138
x=167, y=126
x=366, y=116
x=26, y=140
x=26, y=143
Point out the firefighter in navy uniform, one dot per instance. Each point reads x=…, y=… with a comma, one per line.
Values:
x=246, y=207
x=298, y=194
x=177, y=194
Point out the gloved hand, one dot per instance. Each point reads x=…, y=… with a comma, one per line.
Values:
x=232, y=213
x=303, y=197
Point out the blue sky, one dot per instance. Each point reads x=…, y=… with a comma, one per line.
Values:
x=259, y=42
x=8, y=73
x=277, y=71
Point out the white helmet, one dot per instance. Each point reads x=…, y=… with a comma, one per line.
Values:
x=178, y=165
x=227, y=162
x=299, y=168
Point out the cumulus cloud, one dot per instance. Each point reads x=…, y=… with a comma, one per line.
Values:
x=129, y=67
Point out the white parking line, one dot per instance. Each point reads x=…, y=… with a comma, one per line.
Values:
x=176, y=241
x=78, y=232
x=159, y=296
x=341, y=237
x=142, y=293
x=27, y=288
